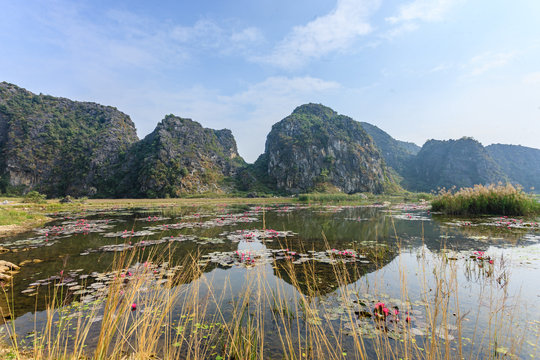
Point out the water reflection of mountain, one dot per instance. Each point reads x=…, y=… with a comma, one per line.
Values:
x=316, y=278
x=462, y=234
x=358, y=228
x=341, y=228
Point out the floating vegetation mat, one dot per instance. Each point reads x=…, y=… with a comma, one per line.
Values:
x=48, y=236
x=89, y=287
x=129, y=234
x=373, y=315
x=422, y=206
x=411, y=216
x=81, y=226
x=225, y=220
x=269, y=256
x=252, y=235
x=146, y=243
x=500, y=222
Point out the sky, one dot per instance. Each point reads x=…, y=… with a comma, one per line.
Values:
x=418, y=69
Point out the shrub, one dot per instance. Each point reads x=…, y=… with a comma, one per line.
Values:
x=34, y=197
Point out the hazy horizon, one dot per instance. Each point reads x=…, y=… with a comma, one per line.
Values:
x=417, y=69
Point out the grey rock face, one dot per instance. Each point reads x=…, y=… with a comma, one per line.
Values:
x=396, y=153
x=315, y=145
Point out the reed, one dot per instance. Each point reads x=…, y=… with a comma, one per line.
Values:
x=486, y=200
x=332, y=198
x=363, y=198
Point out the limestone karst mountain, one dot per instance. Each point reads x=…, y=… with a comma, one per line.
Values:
x=62, y=147
x=315, y=146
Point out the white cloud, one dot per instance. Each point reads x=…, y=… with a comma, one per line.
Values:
x=441, y=67
x=122, y=38
x=247, y=35
x=205, y=30
x=281, y=86
x=483, y=63
x=532, y=78
x=399, y=30
x=249, y=113
x=207, y=34
x=423, y=10
x=335, y=31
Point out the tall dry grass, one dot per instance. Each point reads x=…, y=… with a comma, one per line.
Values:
x=486, y=200
x=189, y=317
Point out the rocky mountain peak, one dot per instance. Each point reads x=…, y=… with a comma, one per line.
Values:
x=315, y=146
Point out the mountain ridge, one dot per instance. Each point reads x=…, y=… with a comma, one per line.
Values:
x=63, y=147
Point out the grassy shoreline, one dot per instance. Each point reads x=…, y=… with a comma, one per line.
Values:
x=13, y=220
x=17, y=216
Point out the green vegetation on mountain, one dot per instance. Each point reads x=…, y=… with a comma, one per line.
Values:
x=452, y=163
x=456, y=163
x=61, y=147
x=181, y=157
x=57, y=146
x=316, y=149
x=520, y=163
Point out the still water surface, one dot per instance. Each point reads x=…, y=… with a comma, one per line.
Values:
x=394, y=255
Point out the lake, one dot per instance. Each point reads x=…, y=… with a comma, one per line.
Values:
x=279, y=281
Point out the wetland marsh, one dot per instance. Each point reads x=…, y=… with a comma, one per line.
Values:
x=275, y=281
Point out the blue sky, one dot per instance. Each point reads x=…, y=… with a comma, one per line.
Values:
x=418, y=69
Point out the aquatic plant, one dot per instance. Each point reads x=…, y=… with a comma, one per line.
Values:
x=486, y=200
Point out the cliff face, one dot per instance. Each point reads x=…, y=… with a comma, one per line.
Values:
x=460, y=163
x=58, y=146
x=315, y=145
x=520, y=163
x=396, y=153
x=180, y=156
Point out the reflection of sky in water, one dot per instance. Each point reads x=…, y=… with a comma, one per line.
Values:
x=251, y=246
